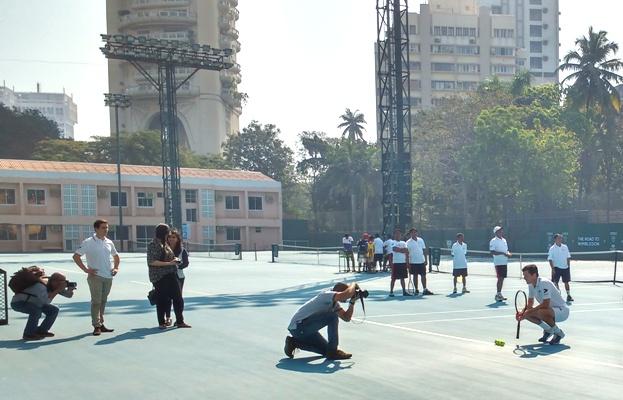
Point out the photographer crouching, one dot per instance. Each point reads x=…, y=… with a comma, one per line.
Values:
x=34, y=293
x=323, y=310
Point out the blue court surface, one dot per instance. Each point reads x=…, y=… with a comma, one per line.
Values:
x=432, y=347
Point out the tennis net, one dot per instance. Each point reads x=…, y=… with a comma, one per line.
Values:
x=226, y=251
x=331, y=256
x=590, y=266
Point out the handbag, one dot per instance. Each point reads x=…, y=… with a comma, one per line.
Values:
x=151, y=296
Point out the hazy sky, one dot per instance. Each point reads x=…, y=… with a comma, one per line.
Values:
x=303, y=61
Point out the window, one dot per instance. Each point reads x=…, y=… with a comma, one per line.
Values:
x=36, y=197
x=468, y=68
x=468, y=50
x=207, y=203
x=412, y=30
x=232, y=202
x=8, y=232
x=114, y=199
x=414, y=47
x=536, y=15
x=415, y=84
x=503, y=33
x=114, y=233
x=415, y=65
x=536, y=62
x=233, y=233
x=536, y=31
x=258, y=229
x=89, y=200
x=439, y=102
x=502, y=51
x=144, y=234
x=536, y=2
x=536, y=47
x=208, y=233
x=467, y=86
x=441, y=49
x=7, y=196
x=191, y=215
x=145, y=199
x=442, y=85
x=37, y=232
x=255, y=203
x=442, y=67
x=191, y=196
x=503, y=69
x=415, y=101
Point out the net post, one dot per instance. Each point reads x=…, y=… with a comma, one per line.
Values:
x=616, y=259
x=274, y=251
x=520, y=265
x=4, y=301
x=318, y=256
x=255, y=250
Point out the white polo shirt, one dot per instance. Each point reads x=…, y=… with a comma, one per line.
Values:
x=499, y=244
x=545, y=289
x=559, y=255
x=388, y=244
x=98, y=254
x=378, y=246
x=399, y=258
x=416, y=250
x=459, y=253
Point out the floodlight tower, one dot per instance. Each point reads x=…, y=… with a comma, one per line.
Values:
x=394, y=112
x=167, y=55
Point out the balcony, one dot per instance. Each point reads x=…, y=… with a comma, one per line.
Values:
x=226, y=5
x=134, y=20
x=231, y=32
x=142, y=4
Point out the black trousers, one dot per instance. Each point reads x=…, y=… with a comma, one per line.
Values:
x=167, y=290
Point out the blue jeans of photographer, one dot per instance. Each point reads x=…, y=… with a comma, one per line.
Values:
x=306, y=335
x=34, y=314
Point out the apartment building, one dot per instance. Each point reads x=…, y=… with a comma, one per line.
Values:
x=209, y=104
x=51, y=206
x=453, y=46
x=537, y=34
x=58, y=107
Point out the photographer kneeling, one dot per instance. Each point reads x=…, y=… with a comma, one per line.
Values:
x=323, y=310
x=36, y=299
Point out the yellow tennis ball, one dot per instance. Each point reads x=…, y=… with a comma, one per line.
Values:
x=500, y=342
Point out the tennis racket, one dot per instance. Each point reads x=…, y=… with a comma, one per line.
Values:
x=521, y=302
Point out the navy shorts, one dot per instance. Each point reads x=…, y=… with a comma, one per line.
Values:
x=459, y=272
x=564, y=273
x=418, y=269
x=501, y=271
x=378, y=257
x=399, y=271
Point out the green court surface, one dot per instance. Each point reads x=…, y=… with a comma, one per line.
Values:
x=432, y=347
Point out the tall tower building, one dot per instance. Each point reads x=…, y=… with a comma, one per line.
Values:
x=538, y=34
x=455, y=45
x=209, y=104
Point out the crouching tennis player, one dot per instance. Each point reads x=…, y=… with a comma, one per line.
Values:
x=552, y=308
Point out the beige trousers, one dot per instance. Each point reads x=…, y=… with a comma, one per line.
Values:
x=100, y=288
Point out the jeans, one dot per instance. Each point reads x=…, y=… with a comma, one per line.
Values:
x=306, y=335
x=167, y=290
x=99, y=288
x=168, y=312
x=34, y=313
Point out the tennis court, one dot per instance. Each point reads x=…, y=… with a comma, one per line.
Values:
x=431, y=347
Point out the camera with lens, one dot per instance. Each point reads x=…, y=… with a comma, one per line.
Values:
x=361, y=294
x=72, y=285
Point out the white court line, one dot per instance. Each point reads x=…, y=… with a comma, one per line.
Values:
x=476, y=310
x=494, y=316
x=476, y=341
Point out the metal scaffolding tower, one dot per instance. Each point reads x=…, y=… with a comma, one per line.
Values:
x=394, y=112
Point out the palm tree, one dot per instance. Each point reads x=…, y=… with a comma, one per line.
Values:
x=593, y=73
x=353, y=125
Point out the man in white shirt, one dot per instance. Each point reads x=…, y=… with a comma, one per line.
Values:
x=417, y=260
x=552, y=308
x=499, y=250
x=560, y=260
x=459, y=261
x=378, y=252
x=323, y=310
x=387, y=248
x=347, y=244
x=98, y=250
x=399, y=264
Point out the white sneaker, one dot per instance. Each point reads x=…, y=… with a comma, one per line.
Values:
x=498, y=297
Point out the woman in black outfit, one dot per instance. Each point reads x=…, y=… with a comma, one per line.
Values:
x=162, y=265
x=174, y=240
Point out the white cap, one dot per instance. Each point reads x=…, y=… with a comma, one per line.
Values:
x=496, y=229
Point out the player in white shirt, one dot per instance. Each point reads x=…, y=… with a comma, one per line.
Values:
x=552, y=308
x=387, y=248
x=499, y=250
x=459, y=261
x=378, y=252
x=417, y=260
x=400, y=255
x=560, y=260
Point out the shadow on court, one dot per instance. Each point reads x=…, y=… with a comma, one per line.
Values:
x=497, y=304
x=539, y=349
x=308, y=365
x=19, y=344
x=134, y=334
